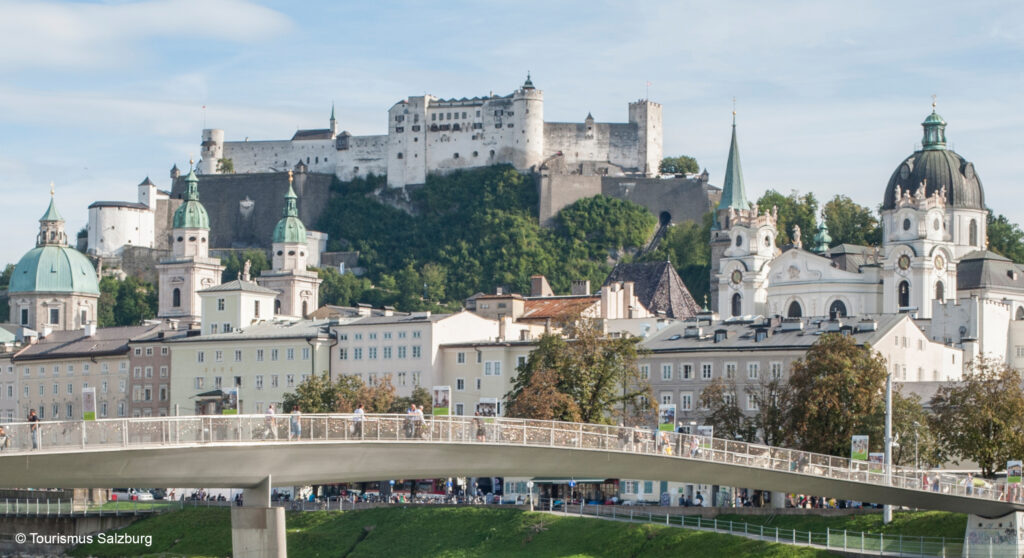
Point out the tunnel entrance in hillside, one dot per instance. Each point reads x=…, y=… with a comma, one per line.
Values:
x=665, y=218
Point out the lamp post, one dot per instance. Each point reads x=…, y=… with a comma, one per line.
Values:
x=916, y=463
x=529, y=484
x=887, y=509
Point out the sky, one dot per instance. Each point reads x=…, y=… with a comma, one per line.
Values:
x=95, y=96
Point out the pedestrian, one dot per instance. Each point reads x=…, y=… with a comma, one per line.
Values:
x=623, y=434
x=410, y=421
x=296, y=424
x=969, y=483
x=271, y=429
x=4, y=440
x=417, y=420
x=924, y=481
x=33, y=427
x=699, y=500
x=481, y=432
x=357, y=419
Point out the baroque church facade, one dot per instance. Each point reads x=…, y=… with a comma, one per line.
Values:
x=933, y=220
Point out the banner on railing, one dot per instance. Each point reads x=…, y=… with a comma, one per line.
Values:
x=487, y=407
x=706, y=433
x=859, y=448
x=877, y=462
x=89, y=403
x=230, y=402
x=442, y=401
x=1013, y=472
x=667, y=417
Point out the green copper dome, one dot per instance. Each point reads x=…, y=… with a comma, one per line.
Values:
x=191, y=214
x=290, y=228
x=822, y=238
x=54, y=269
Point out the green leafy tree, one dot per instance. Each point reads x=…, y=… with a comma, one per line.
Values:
x=851, y=223
x=838, y=391
x=5, y=281
x=721, y=400
x=605, y=224
x=1005, y=237
x=234, y=263
x=378, y=397
x=541, y=399
x=982, y=417
x=225, y=166
x=342, y=289
x=599, y=374
x=315, y=394
x=794, y=209
x=125, y=303
x=773, y=399
x=420, y=396
x=918, y=442
x=679, y=165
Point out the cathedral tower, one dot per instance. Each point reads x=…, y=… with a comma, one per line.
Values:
x=297, y=287
x=190, y=268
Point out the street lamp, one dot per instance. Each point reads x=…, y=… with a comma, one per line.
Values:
x=529, y=484
x=916, y=464
x=887, y=509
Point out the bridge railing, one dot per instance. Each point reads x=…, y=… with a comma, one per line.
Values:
x=187, y=430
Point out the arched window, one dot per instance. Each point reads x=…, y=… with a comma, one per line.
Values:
x=737, y=304
x=794, y=310
x=277, y=306
x=837, y=309
x=973, y=233
x=904, y=294
x=940, y=292
x=305, y=308
x=176, y=298
x=1020, y=312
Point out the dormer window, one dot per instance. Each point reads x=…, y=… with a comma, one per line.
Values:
x=739, y=241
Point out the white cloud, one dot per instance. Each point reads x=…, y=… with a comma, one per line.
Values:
x=75, y=36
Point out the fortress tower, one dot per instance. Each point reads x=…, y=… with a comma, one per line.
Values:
x=297, y=288
x=528, y=109
x=646, y=114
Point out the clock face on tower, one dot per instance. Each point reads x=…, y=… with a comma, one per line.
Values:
x=904, y=262
x=737, y=276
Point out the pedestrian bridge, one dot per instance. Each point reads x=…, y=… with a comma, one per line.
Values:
x=242, y=451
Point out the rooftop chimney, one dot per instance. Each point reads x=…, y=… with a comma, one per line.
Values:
x=539, y=286
x=580, y=287
x=89, y=329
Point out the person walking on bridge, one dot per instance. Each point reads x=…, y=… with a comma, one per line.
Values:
x=357, y=419
x=33, y=427
x=271, y=429
x=295, y=430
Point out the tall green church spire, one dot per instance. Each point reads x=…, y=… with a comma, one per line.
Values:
x=733, y=193
x=191, y=214
x=51, y=212
x=290, y=228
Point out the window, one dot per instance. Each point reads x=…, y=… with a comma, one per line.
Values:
x=686, y=372
x=730, y=370
x=120, y=408
x=218, y=356
x=460, y=358
x=401, y=335
x=71, y=389
x=149, y=371
x=256, y=308
x=103, y=386
x=1020, y=351
x=776, y=370
x=85, y=369
x=217, y=382
x=478, y=383
x=753, y=370
x=729, y=398
x=56, y=389
x=685, y=401
x=213, y=328
x=259, y=381
x=163, y=351
x=373, y=335
x=71, y=411
x=343, y=353
x=289, y=354
x=794, y=310
x=666, y=398
x=492, y=368
x=137, y=372
x=289, y=380
x=226, y=327
x=200, y=357
x=54, y=316
x=305, y=353
x=357, y=337
x=163, y=392
x=751, y=402
x=645, y=371
x=103, y=409
x=401, y=351
x=904, y=294
x=460, y=384
x=147, y=394
x=666, y=371
x=837, y=309
x=259, y=355
x=371, y=353
x=459, y=409
x=520, y=362
x=357, y=353
x=973, y=233
x=220, y=304
x=138, y=351
x=416, y=351
x=149, y=351
x=24, y=316
x=416, y=335
x=737, y=304
x=705, y=371
x=940, y=292
x=273, y=354
x=387, y=335
x=273, y=380
x=198, y=383
x=401, y=378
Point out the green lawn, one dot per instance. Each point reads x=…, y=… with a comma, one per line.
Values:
x=439, y=532
x=917, y=524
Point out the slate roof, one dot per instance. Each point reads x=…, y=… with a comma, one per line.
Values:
x=851, y=257
x=556, y=307
x=984, y=269
x=741, y=336
x=107, y=341
x=239, y=285
x=298, y=329
x=658, y=287
x=322, y=133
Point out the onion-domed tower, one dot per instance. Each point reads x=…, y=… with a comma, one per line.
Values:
x=933, y=214
x=53, y=285
x=297, y=287
x=190, y=268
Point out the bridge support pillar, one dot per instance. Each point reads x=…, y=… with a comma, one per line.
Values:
x=778, y=500
x=257, y=529
x=995, y=536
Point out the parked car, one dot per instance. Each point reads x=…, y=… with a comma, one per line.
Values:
x=129, y=495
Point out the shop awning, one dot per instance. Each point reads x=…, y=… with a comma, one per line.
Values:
x=546, y=480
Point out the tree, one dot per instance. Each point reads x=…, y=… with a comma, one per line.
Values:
x=420, y=396
x=541, y=399
x=1005, y=238
x=687, y=246
x=837, y=391
x=225, y=166
x=125, y=303
x=982, y=417
x=316, y=394
x=5, y=281
x=679, y=165
x=724, y=413
x=598, y=374
x=851, y=223
x=772, y=397
x=378, y=397
x=794, y=209
x=912, y=424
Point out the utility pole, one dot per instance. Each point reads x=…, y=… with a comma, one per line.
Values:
x=887, y=509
